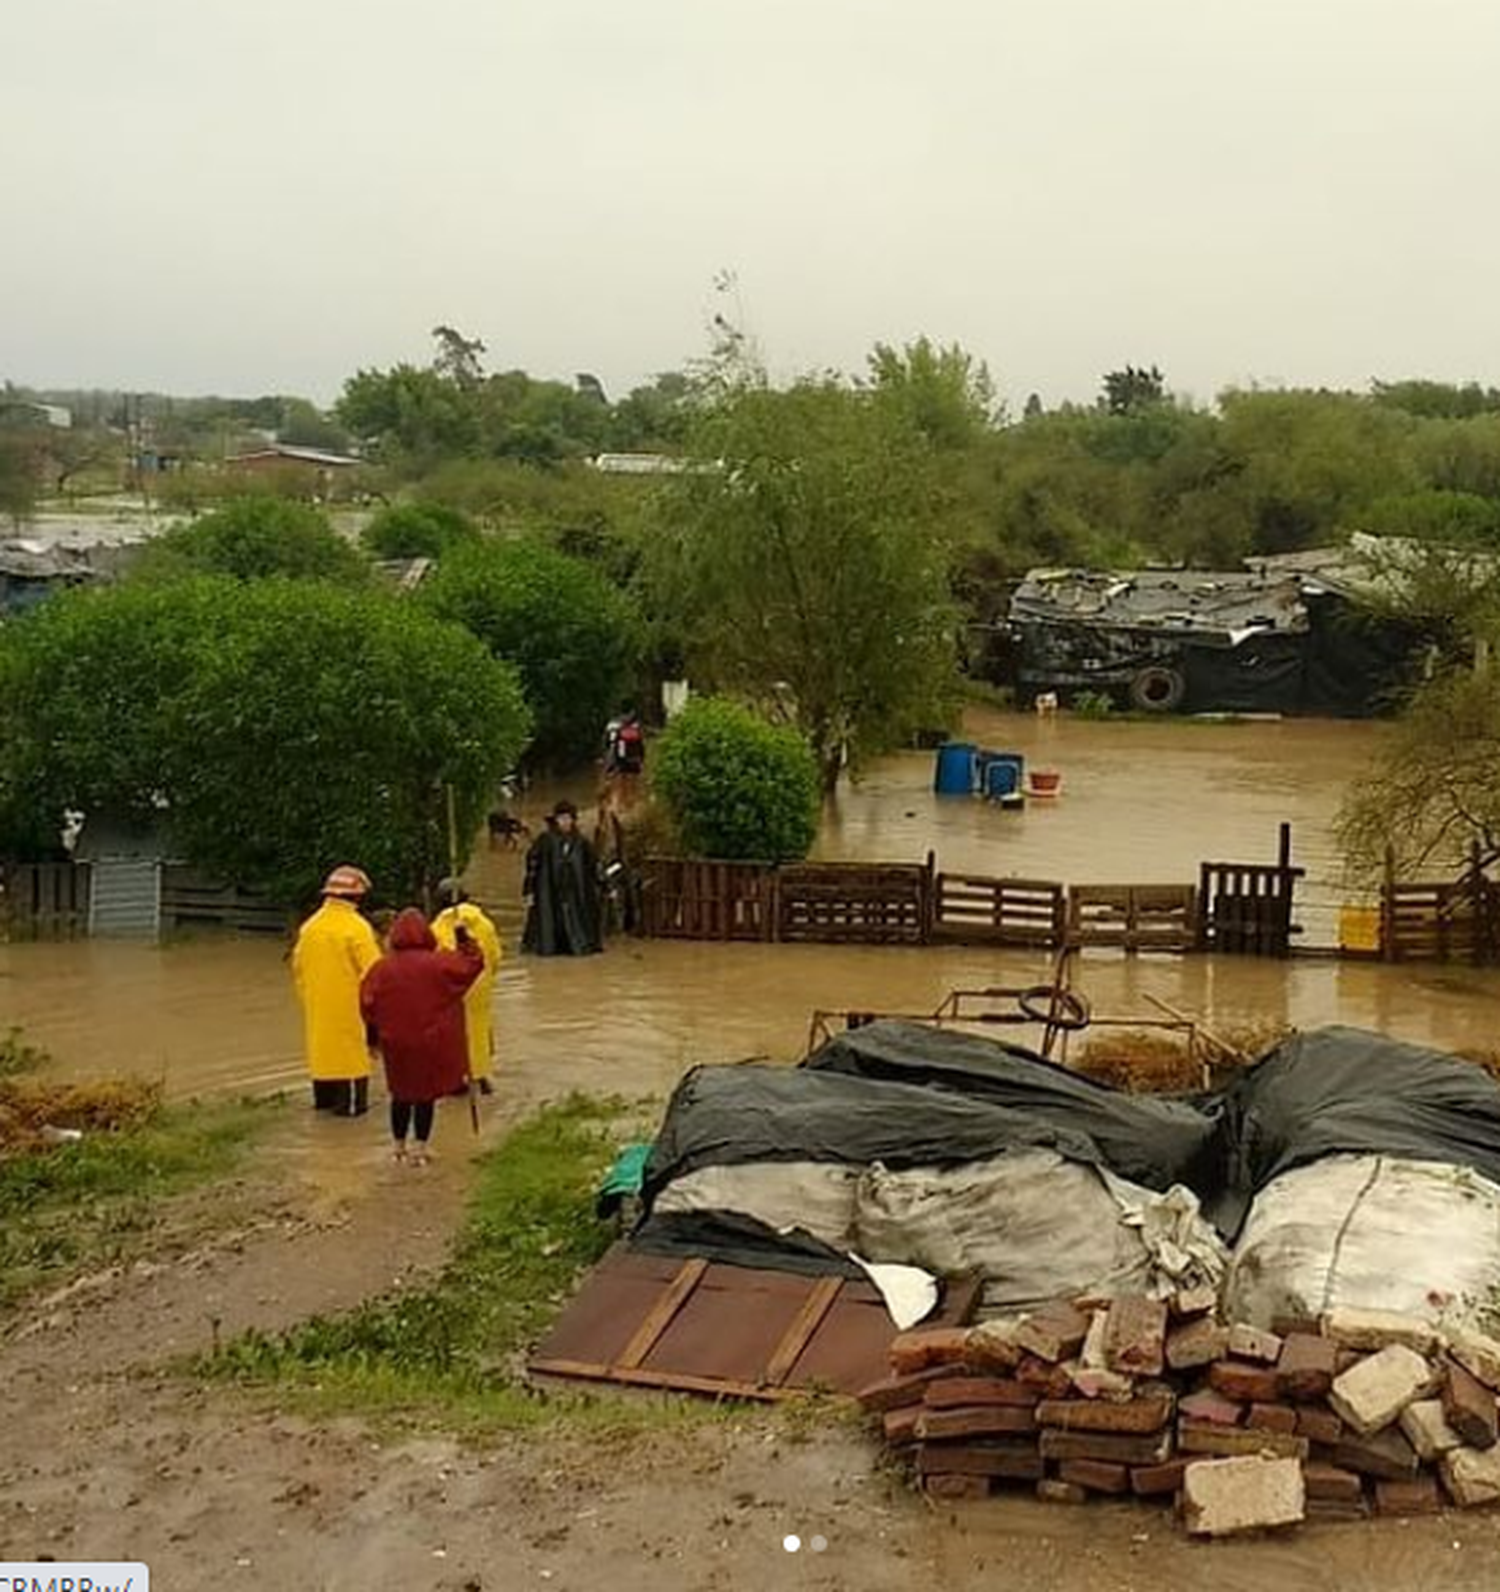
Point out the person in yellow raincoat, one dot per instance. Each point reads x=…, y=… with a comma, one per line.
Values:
x=335, y=948
x=479, y=1017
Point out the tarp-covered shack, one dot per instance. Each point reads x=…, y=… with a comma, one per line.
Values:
x=31, y=571
x=1269, y=641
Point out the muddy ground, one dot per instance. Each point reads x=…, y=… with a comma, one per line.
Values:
x=108, y=1454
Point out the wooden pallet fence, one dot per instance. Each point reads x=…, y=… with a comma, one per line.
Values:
x=689, y=899
x=974, y=908
x=189, y=900
x=1244, y=908
x=44, y=900
x=855, y=903
x=1133, y=917
x=1440, y=922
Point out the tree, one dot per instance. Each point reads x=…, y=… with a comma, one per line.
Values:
x=1434, y=789
x=737, y=787
x=944, y=392
x=19, y=477
x=1133, y=388
x=458, y=359
x=805, y=561
x=410, y=415
x=279, y=728
x=304, y=425
x=573, y=637
x=252, y=538
x=416, y=530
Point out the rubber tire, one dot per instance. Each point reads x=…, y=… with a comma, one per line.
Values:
x=1073, y=1010
x=1158, y=688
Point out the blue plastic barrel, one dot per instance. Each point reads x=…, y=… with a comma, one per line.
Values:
x=954, y=774
x=1002, y=777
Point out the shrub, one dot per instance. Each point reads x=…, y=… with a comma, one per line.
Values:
x=737, y=787
x=573, y=637
x=416, y=530
x=280, y=728
x=253, y=538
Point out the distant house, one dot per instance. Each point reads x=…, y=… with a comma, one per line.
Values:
x=639, y=464
x=278, y=455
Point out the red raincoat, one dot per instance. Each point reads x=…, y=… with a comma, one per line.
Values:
x=413, y=1000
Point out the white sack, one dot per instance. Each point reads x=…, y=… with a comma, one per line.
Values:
x=1371, y=1233
x=1037, y=1227
x=817, y=1197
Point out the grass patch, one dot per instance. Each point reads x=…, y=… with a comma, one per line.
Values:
x=72, y=1207
x=456, y=1347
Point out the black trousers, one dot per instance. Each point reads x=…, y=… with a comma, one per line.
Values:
x=412, y=1114
x=343, y=1097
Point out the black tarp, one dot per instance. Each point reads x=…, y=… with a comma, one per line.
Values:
x=1345, y=1091
x=737, y=1115
x=1148, y=1139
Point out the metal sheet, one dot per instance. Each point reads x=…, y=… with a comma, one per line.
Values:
x=733, y=1331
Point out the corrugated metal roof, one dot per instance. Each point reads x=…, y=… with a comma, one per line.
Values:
x=1231, y=604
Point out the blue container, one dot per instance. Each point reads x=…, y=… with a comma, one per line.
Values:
x=954, y=774
x=1002, y=776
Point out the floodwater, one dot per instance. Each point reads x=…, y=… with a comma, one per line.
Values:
x=1141, y=803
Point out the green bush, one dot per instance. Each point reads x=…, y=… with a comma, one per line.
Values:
x=278, y=728
x=254, y=538
x=416, y=530
x=573, y=637
x=737, y=787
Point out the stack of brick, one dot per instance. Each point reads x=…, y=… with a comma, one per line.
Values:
x=1244, y=1429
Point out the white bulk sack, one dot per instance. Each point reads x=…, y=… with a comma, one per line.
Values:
x=1370, y=1233
x=816, y=1197
x=1037, y=1227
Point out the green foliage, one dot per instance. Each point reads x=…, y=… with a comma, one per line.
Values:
x=572, y=636
x=737, y=788
x=1433, y=789
x=20, y=476
x=280, y=726
x=1130, y=390
x=416, y=530
x=254, y=538
x=529, y=1232
x=304, y=425
x=1437, y=400
x=1452, y=519
x=1091, y=705
x=807, y=559
x=944, y=392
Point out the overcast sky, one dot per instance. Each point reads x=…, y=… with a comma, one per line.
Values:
x=263, y=195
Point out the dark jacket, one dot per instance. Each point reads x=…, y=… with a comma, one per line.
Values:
x=413, y=1001
x=562, y=879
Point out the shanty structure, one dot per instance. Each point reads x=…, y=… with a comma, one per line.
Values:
x=30, y=571
x=1300, y=638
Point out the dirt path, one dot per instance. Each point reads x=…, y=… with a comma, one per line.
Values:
x=104, y=1455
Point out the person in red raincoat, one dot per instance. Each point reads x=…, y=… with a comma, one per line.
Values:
x=413, y=1003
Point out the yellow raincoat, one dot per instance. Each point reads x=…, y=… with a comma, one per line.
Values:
x=479, y=1016
x=335, y=948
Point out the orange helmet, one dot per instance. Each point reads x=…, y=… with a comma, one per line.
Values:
x=347, y=884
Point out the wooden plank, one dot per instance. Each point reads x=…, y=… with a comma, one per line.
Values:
x=809, y=1319
x=717, y=1388
x=659, y=1317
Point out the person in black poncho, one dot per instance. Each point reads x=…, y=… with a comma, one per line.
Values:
x=562, y=887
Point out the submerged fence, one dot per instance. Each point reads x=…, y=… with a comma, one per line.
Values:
x=1242, y=907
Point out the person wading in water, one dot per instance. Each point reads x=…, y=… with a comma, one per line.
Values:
x=479, y=1019
x=562, y=885
x=335, y=948
x=413, y=1001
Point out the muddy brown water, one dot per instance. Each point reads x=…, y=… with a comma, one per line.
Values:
x=1140, y=802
